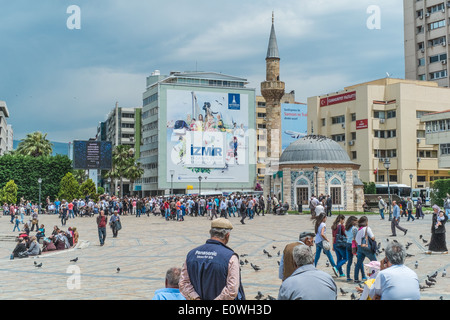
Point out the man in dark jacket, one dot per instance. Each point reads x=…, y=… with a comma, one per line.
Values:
x=212, y=270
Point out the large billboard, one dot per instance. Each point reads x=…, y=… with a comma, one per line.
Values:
x=92, y=155
x=207, y=136
x=294, y=124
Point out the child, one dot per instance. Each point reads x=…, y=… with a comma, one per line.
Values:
x=373, y=269
x=440, y=217
x=16, y=223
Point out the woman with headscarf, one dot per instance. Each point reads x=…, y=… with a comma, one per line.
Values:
x=437, y=242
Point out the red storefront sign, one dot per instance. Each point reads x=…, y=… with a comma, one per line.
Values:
x=345, y=97
x=362, y=124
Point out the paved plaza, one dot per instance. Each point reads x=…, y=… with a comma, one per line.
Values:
x=148, y=246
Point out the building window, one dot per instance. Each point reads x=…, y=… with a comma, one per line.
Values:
x=338, y=137
x=261, y=115
x=379, y=178
x=420, y=46
x=336, y=195
x=421, y=178
x=261, y=126
x=353, y=116
x=391, y=114
x=445, y=149
x=421, y=62
x=436, y=8
x=302, y=196
x=261, y=104
x=438, y=57
x=420, y=133
x=390, y=153
x=324, y=121
x=427, y=154
x=436, y=25
x=379, y=115
x=419, y=29
x=338, y=119
x=437, y=42
x=393, y=177
x=422, y=77
x=354, y=154
x=353, y=135
x=386, y=134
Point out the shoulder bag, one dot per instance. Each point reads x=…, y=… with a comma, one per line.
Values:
x=341, y=239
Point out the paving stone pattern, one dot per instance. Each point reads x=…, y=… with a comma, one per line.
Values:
x=147, y=246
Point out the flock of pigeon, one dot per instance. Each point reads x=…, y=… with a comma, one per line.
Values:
x=73, y=260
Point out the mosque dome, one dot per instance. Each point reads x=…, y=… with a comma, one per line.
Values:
x=315, y=149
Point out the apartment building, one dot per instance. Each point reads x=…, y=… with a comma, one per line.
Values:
x=437, y=132
x=382, y=119
x=426, y=29
x=5, y=139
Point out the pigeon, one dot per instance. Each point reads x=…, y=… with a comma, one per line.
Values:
x=255, y=267
x=387, y=240
x=269, y=297
x=259, y=295
x=327, y=263
x=274, y=247
x=434, y=275
x=241, y=262
x=420, y=237
x=246, y=261
x=265, y=251
x=353, y=296
x=244, y=255
x=409, y=243
x=118, y=269
x=74, y=260
x=35, y=263
x=343, y=292
x=278, y=253
x=269, y=255
x=441, y=298
x=444, y=273
x=409, y=255
x=424, y=241
x=416, y=264
x=428, y=283
x=379, y=246
x=278, y=262
x=421, y=287
x=38, y=265
x=431, y=279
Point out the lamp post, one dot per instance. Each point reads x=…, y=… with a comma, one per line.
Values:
x=387, y=165
x=172, y=172
x=316, y=171
x=200, y=185
x=411, y=176
x=39, y=205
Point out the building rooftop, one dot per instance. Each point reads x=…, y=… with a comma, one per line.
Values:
x=4, y=108
x=272, y=50
x=315, y=149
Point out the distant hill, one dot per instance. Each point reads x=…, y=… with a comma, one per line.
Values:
x=61, y=148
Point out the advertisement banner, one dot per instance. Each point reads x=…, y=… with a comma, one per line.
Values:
x=294, y=123
x=362, y=124
x=341, y=98
x=207, y=136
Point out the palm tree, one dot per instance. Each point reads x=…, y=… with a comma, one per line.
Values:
x=35, y=145
x=134, y=172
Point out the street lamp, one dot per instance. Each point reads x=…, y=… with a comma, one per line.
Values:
x=410, y=178
x=172, y=172
x=387, y=165
x=200, y=185
x=316, y=171
x=40, y=182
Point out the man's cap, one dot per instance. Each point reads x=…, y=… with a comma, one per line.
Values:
x=305, y=234
x=221, y=223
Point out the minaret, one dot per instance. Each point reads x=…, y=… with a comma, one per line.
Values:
x=272, y=90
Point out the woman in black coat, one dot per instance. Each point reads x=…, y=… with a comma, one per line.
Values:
x=437, y=242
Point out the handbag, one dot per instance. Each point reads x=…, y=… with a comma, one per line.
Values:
x=326, y=245
x=369, y=243
x=341, y=239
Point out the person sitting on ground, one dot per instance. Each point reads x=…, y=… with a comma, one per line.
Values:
x=41, y=232
x=21, y=247
x=33, y=249
x=48, y=245
x=75, y=236
x=171, y=290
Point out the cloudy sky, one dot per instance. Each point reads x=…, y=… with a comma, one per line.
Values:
x=63, y=82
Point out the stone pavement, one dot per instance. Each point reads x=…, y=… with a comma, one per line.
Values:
x=148, y=246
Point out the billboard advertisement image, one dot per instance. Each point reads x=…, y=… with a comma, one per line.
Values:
x=207, y=136
x=294, y=123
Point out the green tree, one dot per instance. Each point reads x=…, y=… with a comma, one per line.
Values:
x=134, y=171
x=69, y=188
x=80, y=176
x=440, y=190
x=88, y=188
x=35, y=145
x=9, y=193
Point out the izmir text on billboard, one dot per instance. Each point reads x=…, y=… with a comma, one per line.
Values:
x=92, y=155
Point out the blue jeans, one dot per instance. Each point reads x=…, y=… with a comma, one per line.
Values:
x=348, y=250
x=102, y=235
x=447, y=212
x=167, y=215
x=230, y=211
x=410, y=216
x=363, y=253
x=382, y=213
x=319, y=249
x=341, y=257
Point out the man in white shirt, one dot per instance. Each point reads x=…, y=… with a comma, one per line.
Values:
x=395, y=281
